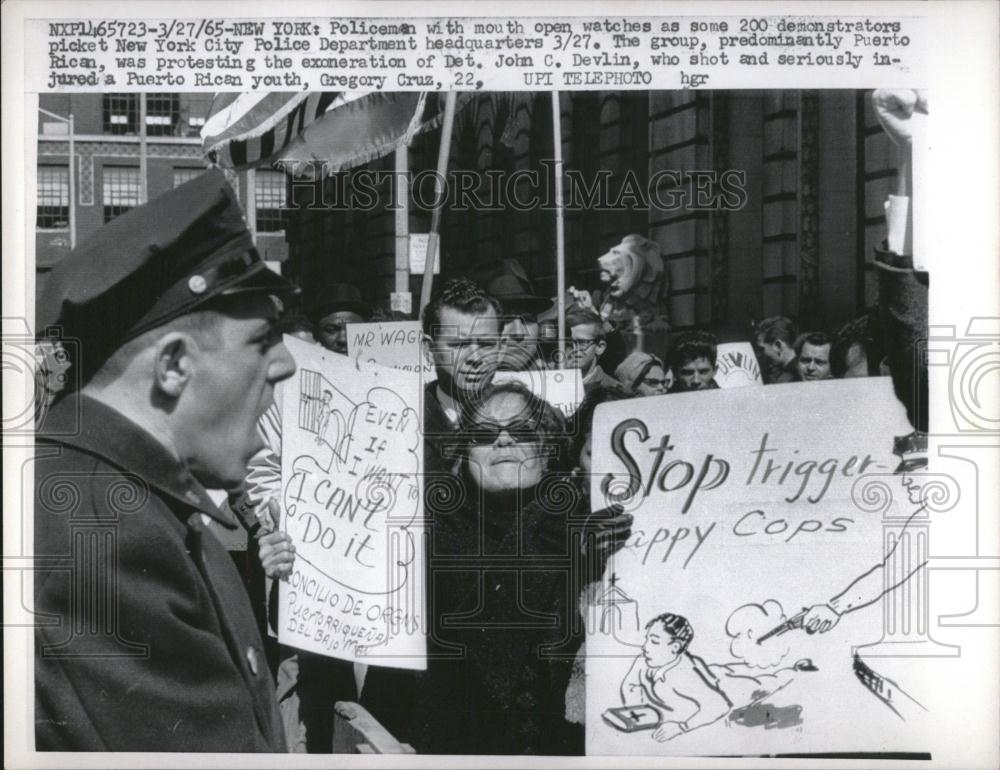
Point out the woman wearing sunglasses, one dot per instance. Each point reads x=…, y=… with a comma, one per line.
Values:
x=503, y=587
x=498, y=591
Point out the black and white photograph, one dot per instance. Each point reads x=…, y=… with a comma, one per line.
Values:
x=464, y=390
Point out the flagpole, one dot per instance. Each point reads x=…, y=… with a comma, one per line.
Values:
x=439, y=193
x=560, y=225
x=402, y=219
x=143, y=152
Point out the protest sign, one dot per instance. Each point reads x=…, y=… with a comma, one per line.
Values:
x=737, y=366
x=396, y=344
x=745, y=518
x=351, y=500
x=563, y=388
x=418, y=254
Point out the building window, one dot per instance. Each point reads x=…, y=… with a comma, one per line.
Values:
x=194, y=108
x=53, y=198
x=121, y=190
x=121, y=113
x=271, y=193
x=182, y=175
x=195, y=124
x=163, y=112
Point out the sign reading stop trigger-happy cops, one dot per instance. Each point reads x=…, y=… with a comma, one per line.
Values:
x=749, y=505
x=352, y=504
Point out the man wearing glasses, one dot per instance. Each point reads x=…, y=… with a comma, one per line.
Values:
x=585, y=346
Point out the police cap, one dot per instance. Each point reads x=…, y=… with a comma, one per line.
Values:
x=153, y=264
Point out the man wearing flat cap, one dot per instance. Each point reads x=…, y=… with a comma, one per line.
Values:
x=146, y=640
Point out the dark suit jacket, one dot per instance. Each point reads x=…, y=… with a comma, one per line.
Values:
x=500, y=643
x=440, y=435
x=902, y=308
x=782, y=374
x=146, y=640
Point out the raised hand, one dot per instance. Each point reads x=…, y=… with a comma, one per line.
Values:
x=897, y=109
x=608, y=530
x=277, y=555
x=275, y=548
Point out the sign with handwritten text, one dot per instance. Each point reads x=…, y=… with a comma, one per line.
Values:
x=754, y=509
x=351, y=500
x=419, y=243
x=396, y=344
x=736, y=365
x=563, y=388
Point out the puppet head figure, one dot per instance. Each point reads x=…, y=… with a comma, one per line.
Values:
x=624, y=265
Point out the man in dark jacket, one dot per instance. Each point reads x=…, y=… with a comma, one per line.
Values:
x=146, y=640
x=775, y=337
x=462, y=336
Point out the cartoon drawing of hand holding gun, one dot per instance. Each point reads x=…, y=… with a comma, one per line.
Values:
x=796, y=621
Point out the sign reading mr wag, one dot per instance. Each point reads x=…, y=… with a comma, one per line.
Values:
x=352, y=502
x=396, y=344
x=769, y=525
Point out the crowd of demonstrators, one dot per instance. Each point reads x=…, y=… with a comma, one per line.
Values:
x=786, y=356
x=497, y=444
x=187, y=313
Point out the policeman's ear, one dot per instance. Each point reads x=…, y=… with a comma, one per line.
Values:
x=173, y=365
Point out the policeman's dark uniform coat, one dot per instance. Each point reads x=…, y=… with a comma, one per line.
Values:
x=146, y=640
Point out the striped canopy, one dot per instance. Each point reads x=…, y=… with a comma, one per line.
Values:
x=310, y=134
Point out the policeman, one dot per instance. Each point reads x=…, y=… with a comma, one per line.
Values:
x=146, y=640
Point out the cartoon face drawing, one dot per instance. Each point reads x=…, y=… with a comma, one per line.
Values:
x=660, y=648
